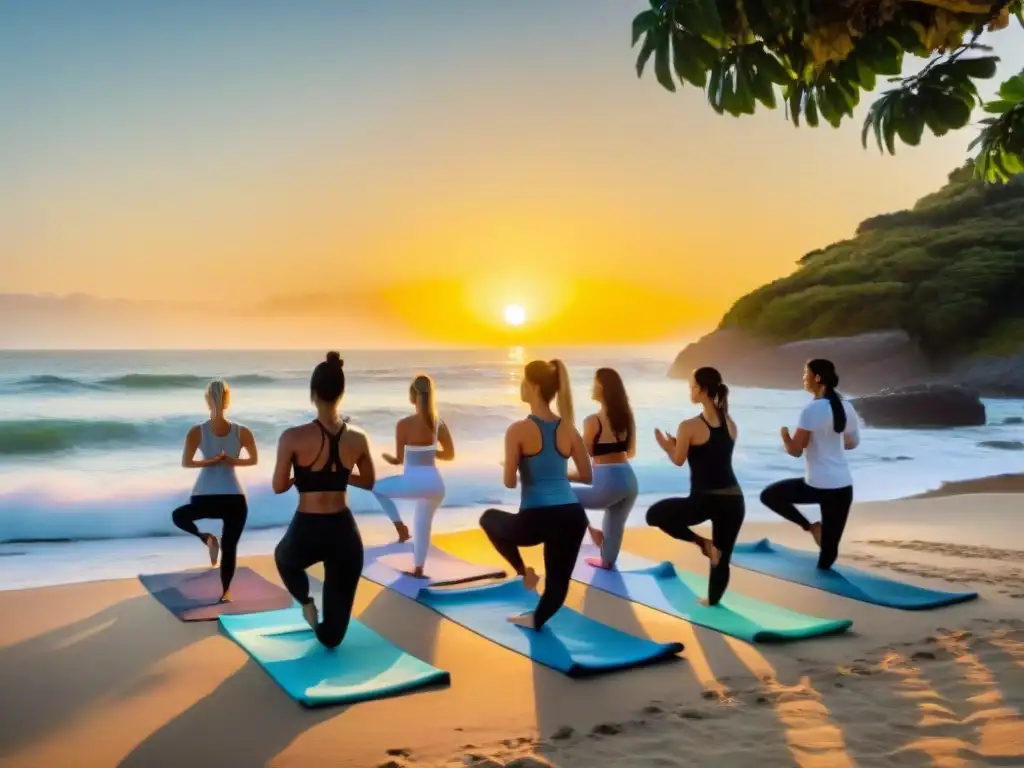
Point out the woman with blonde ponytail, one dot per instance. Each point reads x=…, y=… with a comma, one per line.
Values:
x=421, y=440
x=537, y=451
x=217, y=493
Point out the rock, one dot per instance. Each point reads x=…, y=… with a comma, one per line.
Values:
x=1003, y=445
x=480, y=761
x=606, y=729
x=529, y=761
x=865, y=363
x=1014, y=420
x=563, y=733
x=922, y=407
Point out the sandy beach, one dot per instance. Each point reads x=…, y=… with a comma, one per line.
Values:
x=100, y=674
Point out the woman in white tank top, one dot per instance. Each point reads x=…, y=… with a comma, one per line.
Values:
x=421, y=441
x=217, y=493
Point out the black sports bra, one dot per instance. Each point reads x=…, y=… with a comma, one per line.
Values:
x=606, y=449
x=333, y=475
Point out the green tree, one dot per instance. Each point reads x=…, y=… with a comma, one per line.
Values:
x=816, y=57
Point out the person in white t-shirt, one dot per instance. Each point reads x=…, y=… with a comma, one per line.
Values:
x=828, y=427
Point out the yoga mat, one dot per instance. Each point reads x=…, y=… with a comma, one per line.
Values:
x=570, y=642
x=801, y=567
x=365, y=666
x=195, y=595
x=386, y=565
x=662, y=587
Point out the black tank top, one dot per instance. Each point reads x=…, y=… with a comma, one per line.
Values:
x=333, y=475
x=607, y=449
x=711, y=462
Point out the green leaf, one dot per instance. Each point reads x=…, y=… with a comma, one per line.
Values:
x=998, y=107
x=704, y=51
x=662, y=59
x=794, y=102
x=643, y=22
x=716, y=85
x=954, y=112
x=911, y=123
x=831, y=111
x=980, y=68
x=746, y=101
x=729, y=101
x=650, y=43
x=891, y=117
x=869, y=122
x=763, y=88
x=700, y=16
x=688, y=67
x=1013, y=89
x=772, y=68
x=811, y=111
x=865, y=75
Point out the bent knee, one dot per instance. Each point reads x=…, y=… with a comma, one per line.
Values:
x=487, y=519
x=767, y=496
x=653, y=516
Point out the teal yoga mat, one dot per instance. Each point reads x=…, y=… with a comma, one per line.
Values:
x=800, y=567
x=662, y=587
x=365, y=666
x=570, y=642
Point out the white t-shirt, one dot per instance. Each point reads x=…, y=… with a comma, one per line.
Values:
x=826, y=454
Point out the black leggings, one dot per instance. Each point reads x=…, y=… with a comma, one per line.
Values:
x=725, y=511
x=560, y=529
x=333, y=540
x=835, y=504
x=233, y=510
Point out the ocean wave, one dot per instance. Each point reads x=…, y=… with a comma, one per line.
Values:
x=47, y=436
x=132, y=381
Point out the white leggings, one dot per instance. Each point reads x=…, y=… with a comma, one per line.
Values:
x=424, y=487
x=614, y=490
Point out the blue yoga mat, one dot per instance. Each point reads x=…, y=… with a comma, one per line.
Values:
x=662, y=587
x=800, y=567
x=365, y=666
x=570, y=642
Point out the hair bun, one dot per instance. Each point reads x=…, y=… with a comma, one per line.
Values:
x=335, y=358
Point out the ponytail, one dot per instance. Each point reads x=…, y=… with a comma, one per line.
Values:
x=218, y=395
x=709, y=381
x=563, y=395
x=721, y=401
x=824, y=372
x=422, y=389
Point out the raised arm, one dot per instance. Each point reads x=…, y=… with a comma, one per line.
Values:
x=188, y=455
x=282, y=479
x=366, y=474
x=444, y=437
x=581, y=459
x=248, y=442
x=512, y=454
x=676, y=448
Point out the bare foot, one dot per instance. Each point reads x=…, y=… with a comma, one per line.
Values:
x=522, y=620
x=403, y=532
x=816, y=533
x=703, y=601
x=309, y=613
x=226, y=597
x=597, y=536
x=531, y=579
x=214, y=546
x=710, y=551
x=416, y=573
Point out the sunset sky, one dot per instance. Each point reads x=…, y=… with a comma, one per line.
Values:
x=408, y=168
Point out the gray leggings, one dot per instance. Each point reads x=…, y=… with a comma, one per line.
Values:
x=614, y=490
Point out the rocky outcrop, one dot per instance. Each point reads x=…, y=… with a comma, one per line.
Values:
x=922, y=407
x=866, y=363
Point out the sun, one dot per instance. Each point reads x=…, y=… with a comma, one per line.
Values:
x=515, y=315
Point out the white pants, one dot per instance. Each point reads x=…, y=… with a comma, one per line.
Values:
x=424, y=487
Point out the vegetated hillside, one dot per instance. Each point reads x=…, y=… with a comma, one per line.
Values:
x=950, y=272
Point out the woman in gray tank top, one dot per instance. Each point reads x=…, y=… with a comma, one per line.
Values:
x=217, y=493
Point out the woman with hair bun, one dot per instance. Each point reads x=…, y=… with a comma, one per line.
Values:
x=706, y=442
x=827, y=428
x=322, y=459
x=421, y=440
x=217, y=493
x=537, y=451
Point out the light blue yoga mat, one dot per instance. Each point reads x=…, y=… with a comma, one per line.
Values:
x=570, y=642
x=365, y=666
x=800, y=566
x=662, y=587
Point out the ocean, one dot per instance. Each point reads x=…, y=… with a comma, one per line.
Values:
x=91, y=442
